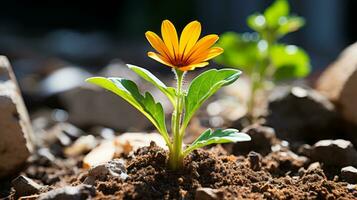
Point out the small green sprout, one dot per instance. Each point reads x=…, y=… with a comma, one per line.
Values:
x=181, y=55
x=259, y=54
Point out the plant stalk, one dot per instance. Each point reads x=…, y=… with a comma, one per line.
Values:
x=176, y=156
x=265, y=70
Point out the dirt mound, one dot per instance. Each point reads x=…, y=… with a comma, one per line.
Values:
x=231, y=177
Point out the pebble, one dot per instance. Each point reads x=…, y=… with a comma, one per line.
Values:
x=82, y=145
x=25, y=186
x=206, y=193
x=254, y=160
x=263, y=138
x=349, y=174
x=114, y=168
x=80, y=192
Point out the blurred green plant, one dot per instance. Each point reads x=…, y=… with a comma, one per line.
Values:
x=260, y=55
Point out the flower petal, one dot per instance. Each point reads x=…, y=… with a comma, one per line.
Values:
x=193, y=66
x=213, y=52
x=201, y=47
x=208, y=54
x=157, y=43
x=189, y=37
x=170, y=38
x=159, y=58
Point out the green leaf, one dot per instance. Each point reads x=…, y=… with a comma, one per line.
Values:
x=204, y=86
x=257, y=22
x=290, y=62
x=274, y=13
x=290, y=24
x=129, y=91
x=148, y=76
x=218, y=136
x=240, y=50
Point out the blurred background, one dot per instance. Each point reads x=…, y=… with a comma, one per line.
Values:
x=41, y=36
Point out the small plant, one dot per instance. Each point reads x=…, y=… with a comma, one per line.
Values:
x=181, y=55
x=260, y=55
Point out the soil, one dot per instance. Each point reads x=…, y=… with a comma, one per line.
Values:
x=275, y=176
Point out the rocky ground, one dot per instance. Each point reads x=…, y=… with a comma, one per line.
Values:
x=264, y=169
x=303, y=145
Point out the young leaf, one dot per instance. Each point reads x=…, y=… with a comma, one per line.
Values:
x=218, y=136
x=257, y=22
x=290, y=62
x=129, y=91
x=204, y=86
x=290, y=24
x=241, y=50
x=274, y=13
x=148, y=76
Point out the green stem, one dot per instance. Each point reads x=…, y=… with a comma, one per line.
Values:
x=255, y=79
x=176, y=157
x=263, y=71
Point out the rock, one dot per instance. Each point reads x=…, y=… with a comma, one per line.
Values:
x=313, y=166
x=114, y=168
x=80, y=192
x=68, y=77
x=352, y=187
x=349, y=174
x=99, y=155
x=25, y=186
x=123, y=144
x=44, y=157
x=339, y=83
x=208, y=194
x=15, y=128
x=298, y=114
x=334, y=153
x=62, y=133
x=106, y=109
x=254, y=160
x=103, y=132
x=129, y=142
x=81, y=145
x=283, y=161
x=263, y=138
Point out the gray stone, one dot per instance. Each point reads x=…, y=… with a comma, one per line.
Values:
x=208, y=194
x=80, y=192
x=63, y=133
x=62, y=80
x=15, y=128
x=94, y=106
x=299, y=114
x=334, y=152
x=313, y=166
x=25, y=186
x=349, y=174
x=263, y=138
x=339, y=83
x=254, y=160
x=114, y=168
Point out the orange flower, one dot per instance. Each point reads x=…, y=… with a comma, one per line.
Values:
x=184, y=54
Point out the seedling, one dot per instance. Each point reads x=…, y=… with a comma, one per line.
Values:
x=182, y=56
x=260, y=55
